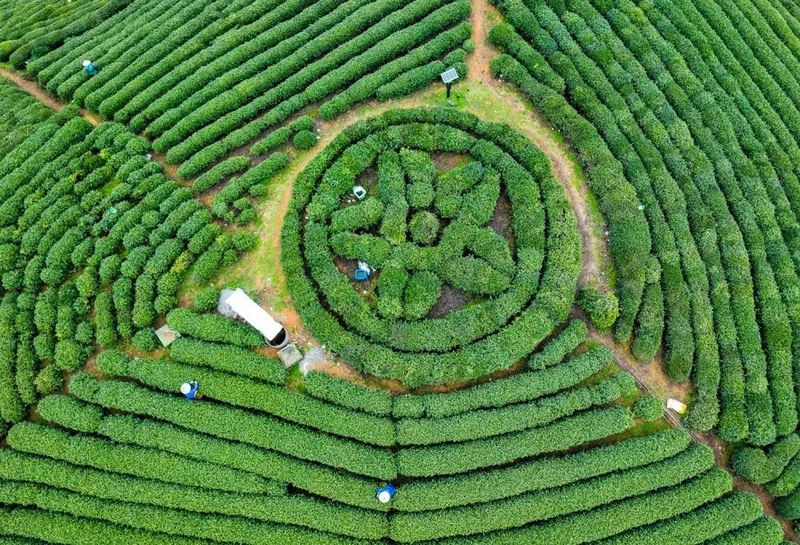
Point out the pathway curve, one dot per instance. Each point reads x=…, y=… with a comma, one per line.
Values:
x=651, y=377
x=484, y=92
x=35, y=90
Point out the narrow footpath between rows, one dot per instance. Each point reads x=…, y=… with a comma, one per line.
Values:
x=651, y=377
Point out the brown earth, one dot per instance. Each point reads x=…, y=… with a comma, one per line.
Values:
x=650, y=378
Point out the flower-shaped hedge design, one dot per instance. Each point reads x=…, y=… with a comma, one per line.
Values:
x=472, y=242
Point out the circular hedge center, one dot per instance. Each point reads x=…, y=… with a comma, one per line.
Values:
x=471, y=246
x=424, y=227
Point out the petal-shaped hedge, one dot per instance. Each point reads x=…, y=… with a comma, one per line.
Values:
x=495, y=231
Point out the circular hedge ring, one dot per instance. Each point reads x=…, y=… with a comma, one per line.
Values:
x=472, y=246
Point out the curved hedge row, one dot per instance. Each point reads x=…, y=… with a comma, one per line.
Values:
x=238, y=425
x=32, y=30
x=487, y=423
x=95, y=243
x=206, y=78
x=231, y=359
x=698, y=106
x=539, y=506
x=239, y=391
x=345, y=393
x=467, y=342
x=138, y=459
x=102, y=454
x=700, y=103
x=518, y=388
x=295, y=510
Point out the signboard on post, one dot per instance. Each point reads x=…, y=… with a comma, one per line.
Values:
x=448, y=77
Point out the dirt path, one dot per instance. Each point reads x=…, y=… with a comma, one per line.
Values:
x=492, y=100
x=652, y=380
x=566, y=170
x=33, y=89
x=478, y=61
x=528, y=122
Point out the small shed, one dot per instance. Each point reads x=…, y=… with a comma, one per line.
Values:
x=676, y=406
x=250, y=311
x=166, y=335
x=290, y=354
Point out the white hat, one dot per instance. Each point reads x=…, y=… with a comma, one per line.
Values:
x=384, y=496
x=86, y=63
x=186, y=388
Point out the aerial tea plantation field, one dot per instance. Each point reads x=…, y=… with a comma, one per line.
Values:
x=442, y=272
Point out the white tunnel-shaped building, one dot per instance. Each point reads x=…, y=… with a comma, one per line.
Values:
x=252, y=313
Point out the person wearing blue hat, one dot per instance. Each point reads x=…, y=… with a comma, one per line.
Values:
x=386, y=493
x=89, y=68
x=191, y=390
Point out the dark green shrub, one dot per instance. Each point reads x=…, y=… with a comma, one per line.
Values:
x=304, y=140
x=244, y=241
x=207, y=299
x=49, y=380
x=214, y=327
x=601, y=308
x=68, y=355
x=649, y=408
x=423, y=227
x=146, y=340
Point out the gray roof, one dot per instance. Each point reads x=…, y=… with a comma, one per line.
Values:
x=449, y=76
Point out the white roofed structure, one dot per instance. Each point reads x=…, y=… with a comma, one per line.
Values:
x=252, y=313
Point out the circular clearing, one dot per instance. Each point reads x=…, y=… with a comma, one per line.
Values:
x=430, y=247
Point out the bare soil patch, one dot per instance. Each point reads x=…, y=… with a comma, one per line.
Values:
x=448, y=161
x=501, y=221
x=478, y=61
x=33, y=89
x=449, y=300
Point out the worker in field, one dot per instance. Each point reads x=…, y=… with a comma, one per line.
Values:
x=386, y=493
x=191, y=390
x=89, y=68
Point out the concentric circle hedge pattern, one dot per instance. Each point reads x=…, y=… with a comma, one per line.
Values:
x=453, y=205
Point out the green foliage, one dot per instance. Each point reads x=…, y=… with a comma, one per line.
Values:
x=421, y=293
x=146, y=340
x=69, y=355
x=601, y=308
x=229, y=358
x=136, y=491
x=91, y=214
x=551, y=472
x=547, y=504
x=516, y=389
x=304, y=140
x=649, y=408
x=215, y=328
x=759, y=466
x=215, y=175
x=411, y=81
x=492, y=422
x=253, y=394
x=147, y=463
x=48, y=380
x=239, y=425
x=554, y=352
x=476, y=336
x=449, y=459
x=236, y=188
x=345, y=393
x=423, y=227
x=207, y=299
